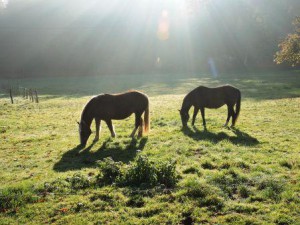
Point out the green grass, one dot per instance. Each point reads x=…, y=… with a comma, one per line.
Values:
x=249, y=175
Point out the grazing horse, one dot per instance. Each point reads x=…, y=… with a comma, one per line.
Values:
x=212, y=98
x=116, y=106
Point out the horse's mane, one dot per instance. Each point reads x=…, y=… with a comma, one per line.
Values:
x=89, y=103
x=125, y=92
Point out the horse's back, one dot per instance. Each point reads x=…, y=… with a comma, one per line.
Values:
x=120, y=106
x=214, y=97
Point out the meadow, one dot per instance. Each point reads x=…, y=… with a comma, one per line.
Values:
x=247, y=175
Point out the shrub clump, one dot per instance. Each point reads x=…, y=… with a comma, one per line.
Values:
x=110, y=171
x=13, y=198
x=140, y=173
x=79, y=181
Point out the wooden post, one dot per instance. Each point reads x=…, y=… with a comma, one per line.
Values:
x=11, y=96
x=31, y=95
x=36, y=96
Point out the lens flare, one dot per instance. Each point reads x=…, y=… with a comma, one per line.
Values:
x=163, y=26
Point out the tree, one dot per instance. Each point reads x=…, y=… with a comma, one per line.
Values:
x=290, y=47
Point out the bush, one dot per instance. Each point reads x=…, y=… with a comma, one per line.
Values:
x=166, y=173
x=110, y=171
x=79, y=181
x=145, y=173
x=13, y=198
x=140, y=173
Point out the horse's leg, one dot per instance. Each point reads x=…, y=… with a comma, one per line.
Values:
x=228, y=116
x=141, y=128
x=196, y=110
x=203, y=117
x=110, y=127
x=232, y=114
x=98, y=128
x=136, y=124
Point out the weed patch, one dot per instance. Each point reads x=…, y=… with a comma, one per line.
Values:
x=228, y=181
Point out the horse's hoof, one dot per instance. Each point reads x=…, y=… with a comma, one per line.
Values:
x=96, y=139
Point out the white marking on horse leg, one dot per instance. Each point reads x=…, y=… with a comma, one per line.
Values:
x=226, y=124
x=133, y=132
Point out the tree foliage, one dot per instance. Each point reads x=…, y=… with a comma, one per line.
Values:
x=290, y=47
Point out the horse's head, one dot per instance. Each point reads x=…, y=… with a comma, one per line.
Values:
x=84, y=132
x=184, y=117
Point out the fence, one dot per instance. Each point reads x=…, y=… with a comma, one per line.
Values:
x=26, y=93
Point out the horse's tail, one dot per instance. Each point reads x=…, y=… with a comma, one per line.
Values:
x=238, y=106
x=147, y=120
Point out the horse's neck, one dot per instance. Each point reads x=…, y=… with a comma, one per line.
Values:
x=87, y=115
x=186, y=104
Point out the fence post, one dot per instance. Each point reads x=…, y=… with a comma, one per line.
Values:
x=31, y=95
x=11, y=96
x=36, y=96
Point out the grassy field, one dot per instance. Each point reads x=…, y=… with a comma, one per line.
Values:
x=247, y=175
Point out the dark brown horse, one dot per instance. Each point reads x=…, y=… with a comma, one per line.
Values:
x=118, y=106
x=212, y=98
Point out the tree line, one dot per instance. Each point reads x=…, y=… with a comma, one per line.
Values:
x=228, y=35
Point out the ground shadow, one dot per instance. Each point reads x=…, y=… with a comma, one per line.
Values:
x=241, y=138
x=80, y=157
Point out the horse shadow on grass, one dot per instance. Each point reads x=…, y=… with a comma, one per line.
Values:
x=80, y=157
x=240, y=138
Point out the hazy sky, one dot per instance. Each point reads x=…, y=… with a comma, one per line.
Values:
x=137, y=35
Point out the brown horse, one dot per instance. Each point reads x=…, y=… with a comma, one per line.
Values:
x=118, y=106
x=213, y=98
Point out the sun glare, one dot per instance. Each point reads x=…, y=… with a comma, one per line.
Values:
x=3, y=4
